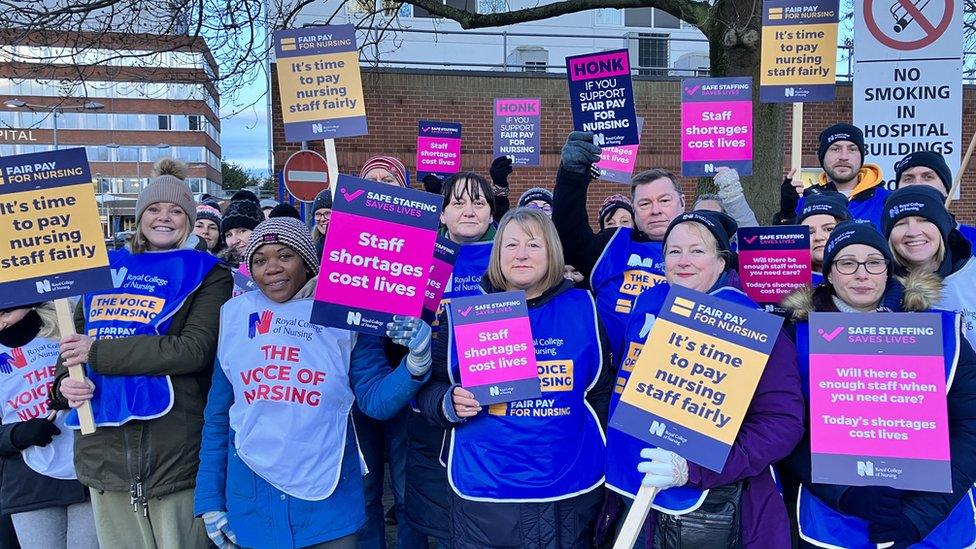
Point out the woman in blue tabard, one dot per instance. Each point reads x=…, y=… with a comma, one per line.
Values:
x=858, y=271
x=149, y=345
x=466, y=219
x=821, y=213
x=696, y=507
x=279, y=464
x=528, y=479
x=49, y=507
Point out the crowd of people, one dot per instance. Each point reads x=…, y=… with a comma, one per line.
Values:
x=215, y=429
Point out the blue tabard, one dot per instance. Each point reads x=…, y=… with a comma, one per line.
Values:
x=969, y=232
x=624, y=270
x=869, y=211
x=817, y=278
x=470, y=266
x=545, y=449
x=623, y=450
x=150, y=288
x=825, y=526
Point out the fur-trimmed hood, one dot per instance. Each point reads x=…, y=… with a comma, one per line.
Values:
x=913, y=293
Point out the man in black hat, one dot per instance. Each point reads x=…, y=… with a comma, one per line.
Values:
x=841, y=153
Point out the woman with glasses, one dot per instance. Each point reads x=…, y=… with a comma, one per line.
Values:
x=858, y=279
x=924, y=237
x=537, y=198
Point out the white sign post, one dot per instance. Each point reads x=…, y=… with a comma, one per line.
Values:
x=908, y=79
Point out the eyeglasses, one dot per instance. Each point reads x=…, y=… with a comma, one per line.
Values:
x=319, y=216
x=545, y=208
x=872, y=266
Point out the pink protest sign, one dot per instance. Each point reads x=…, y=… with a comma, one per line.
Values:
x=438, y=148
x=493, y=347
x=377, y=255
x=716, y=125
x=878, y=400
x=445, y=254
x=617, y=163
x=773, y=261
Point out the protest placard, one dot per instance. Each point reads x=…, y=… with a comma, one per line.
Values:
x=495, y=354
x=908, y=80
x=716, y=125
x=438, y=148
x=52, y=246
x=319, y=85
x=601, y=95
x=773, y=261
x=377, y=255
x=441, y=268
x=617, y=163
x=878, y=401
x=516, y=130
x=799, y=51
x=691, y=395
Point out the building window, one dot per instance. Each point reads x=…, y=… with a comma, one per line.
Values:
x=652, y=54
x=163, y=121
x=609, y=17
x=664, y=20
x=534, y=66
x=193, y=123
x=650, y=17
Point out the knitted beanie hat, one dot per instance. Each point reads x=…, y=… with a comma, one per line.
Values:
x=168, y=186
x=390, y=164
x=210, y=212
x=287, y=231
x=242, y=214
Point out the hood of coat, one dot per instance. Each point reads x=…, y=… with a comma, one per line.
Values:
x=913, y=293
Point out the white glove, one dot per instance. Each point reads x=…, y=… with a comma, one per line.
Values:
x=218, y=529
x=665, y=470
x=729, y=186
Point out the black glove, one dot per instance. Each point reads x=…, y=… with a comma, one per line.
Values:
x=33, y=432
x=579, y=153
x=788, y=199
x=500, y=169
x=878, y=504
x=433, y=184
x=898, y=529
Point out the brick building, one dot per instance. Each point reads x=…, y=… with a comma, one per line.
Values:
x=397, y=99
x=129, y=99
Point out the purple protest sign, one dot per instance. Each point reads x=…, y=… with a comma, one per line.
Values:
x=601, y=95
x=773, y=261
x=516, y=130
x=377, y=255
x=445, y=254
x=878, y=414
x=495, y=353
x=716, y=125
x=617, y=163
x=438, y=148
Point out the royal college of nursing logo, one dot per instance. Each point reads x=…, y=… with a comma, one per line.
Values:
x=259, y=323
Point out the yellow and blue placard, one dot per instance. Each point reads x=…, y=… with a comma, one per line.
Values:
x=690, y=393
x=799, y=51
x=319, y=85
x=52, y=244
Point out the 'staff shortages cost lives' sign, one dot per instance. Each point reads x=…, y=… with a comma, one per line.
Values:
x=691, y=395
x=716, y=125
x=51, y=241
x=601, y=95
x=773, y=261
x=438, y=148
x=878, y=400
x=799, y=51
x=320, y=90
x=377, y=255
x=493, y=341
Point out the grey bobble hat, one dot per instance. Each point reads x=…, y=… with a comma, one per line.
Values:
x=167, y=187
x=288, y=231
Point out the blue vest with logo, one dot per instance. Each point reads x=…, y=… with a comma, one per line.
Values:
x=544, y=449
x=825, y=526
x=149, y=289
x=623, y=450
x=869, y=210
x=470, y=266
x=623, y=271
x=969, y=232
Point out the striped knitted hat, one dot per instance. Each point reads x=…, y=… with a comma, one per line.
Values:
x=208, y=210
x=390, y=164
x=283, y=230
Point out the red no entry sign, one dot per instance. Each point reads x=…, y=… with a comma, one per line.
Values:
x=905, y=13
x=306, y=174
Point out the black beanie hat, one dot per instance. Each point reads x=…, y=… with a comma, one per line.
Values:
x=245, y=194
x=920, y=200
x=242, y=214
x=929, y=159
x=719, y=224
x=854, y=232
x=284, y=210
x=322, y=200
x=830, y=203
x=840, y=132
x=535, y=193
x=610, y=207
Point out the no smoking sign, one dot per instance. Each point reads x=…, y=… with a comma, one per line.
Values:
x=908, y=25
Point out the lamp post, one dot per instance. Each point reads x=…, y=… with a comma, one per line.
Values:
x=138, y=149
x=55, y=110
